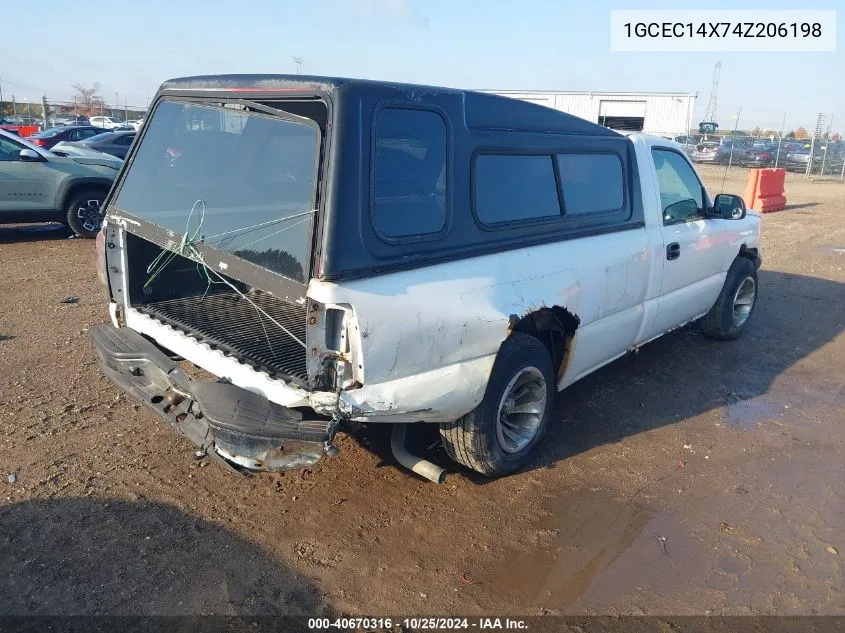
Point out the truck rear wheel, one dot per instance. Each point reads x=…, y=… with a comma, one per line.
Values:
x=84, y=213
x=732, y=310
x=502, y=433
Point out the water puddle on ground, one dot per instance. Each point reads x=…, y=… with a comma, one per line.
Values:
x=592, y=549
x=747, y=414
x=796, y=403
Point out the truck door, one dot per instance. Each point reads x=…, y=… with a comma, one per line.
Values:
x=695, y=249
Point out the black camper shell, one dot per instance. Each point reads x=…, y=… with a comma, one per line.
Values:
x=347, y=240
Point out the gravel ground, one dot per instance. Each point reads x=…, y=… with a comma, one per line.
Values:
x=694, y=477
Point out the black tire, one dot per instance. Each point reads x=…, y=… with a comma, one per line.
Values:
x=79, y=212
x=719, y=323
x=473, y=440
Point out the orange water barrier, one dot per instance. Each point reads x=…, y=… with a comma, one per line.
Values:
x=765, y=190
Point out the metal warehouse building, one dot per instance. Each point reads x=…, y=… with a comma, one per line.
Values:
x=663, y=113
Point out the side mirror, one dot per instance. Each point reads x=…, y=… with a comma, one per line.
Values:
x=28, y=155
x=729, y=207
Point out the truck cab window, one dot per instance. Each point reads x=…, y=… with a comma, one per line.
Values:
x=681, y=193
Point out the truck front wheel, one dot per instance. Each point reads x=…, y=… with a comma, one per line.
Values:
x=732, y=310
x=502, y=433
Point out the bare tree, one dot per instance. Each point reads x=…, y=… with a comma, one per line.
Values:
x=89, y=99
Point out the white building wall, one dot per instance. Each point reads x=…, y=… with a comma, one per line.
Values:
x=668, y=114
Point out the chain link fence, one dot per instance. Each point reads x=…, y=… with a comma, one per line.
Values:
x=817, y=151
x=52, y=113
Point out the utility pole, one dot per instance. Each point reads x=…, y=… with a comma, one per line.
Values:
x=816, y=132
x=44, y=110
x=14, y=106
x=712, y=107
x=298, y=61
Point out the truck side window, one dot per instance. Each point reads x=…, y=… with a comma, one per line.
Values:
x=512, y=187
x=681, y=193
x=409, y=173
x=591, y=183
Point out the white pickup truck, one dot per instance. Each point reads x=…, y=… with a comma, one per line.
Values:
x=339, y=251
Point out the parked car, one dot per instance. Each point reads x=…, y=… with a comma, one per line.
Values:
x=69, y=120
x=39, y=186
x=798, y=157
x=432, y=195
x=22, y=120
x=131, y=125
x=115, y=143
x=106, y=122
x=6, y=126
x=760, y=155
x=75, y=150
x=689, y=143
x=719, y=152
x=706, y=151
x=50, y=137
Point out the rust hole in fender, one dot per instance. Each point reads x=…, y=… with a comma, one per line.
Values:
x=555, y=327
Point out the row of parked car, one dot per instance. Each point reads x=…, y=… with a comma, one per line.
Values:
x=16, y=124
x=115, y=142
x=792, y=155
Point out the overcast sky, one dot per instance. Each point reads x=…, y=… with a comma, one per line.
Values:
x=131, y=47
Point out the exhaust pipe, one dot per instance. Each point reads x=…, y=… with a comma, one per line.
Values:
x=420, y=466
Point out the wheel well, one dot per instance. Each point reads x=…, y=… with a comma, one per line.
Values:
x=554, y=327
x=75, y=188
x=748, y=253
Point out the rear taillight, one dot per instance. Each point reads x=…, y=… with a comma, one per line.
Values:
x=37, y=141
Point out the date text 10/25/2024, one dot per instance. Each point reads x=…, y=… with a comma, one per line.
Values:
x=418, y=624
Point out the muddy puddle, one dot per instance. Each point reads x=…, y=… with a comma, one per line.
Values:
x=747, y=414
x=794, y=404
x=593, y=549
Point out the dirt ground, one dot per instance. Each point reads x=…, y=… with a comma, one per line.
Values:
x=695, y=477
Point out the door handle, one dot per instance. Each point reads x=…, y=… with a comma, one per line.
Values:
x=673, y=251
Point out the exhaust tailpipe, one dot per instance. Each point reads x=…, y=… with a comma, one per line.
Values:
x=420, y=466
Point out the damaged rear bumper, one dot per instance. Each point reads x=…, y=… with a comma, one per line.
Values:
x=241, y=428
